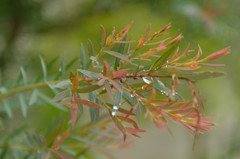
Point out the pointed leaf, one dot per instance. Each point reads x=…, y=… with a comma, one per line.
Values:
x=88, y=89
x=117, y=98
x=90, y=48
x=119, y=73
x=109, y=90
x=217, y=54
x=44, y=69
x=201, y=75
x=7, y=108
x=23, y=75
x=62, y=138
x=146, y=36
x=60, y=96
x=121, y=50
x=48, y=100
x=116, y=85
x=23, y=106
x=117, y=55
x=129, y=120
x=89, y=74
x=103, y=35
x=157, y=64
x=89, y=103
x=75, y=83
x=33, y=97
x=63, y=67
x=106, y=69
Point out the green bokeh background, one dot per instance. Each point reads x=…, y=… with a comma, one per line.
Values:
x=30, y=28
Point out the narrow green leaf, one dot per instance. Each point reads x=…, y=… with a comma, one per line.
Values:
x=117, y=98
x=83, y=57
x=200, y=75
x=88, y=89
x=23, y=106
x=158, y=64
x=117, y=55
x=90, y=48
x=24, y=76
x=44, y=69
x=33, y=97
x=7, y=108
x=92, y=97
x=51, y=63
x=63, y=67
x=121, y=51
x=60, y=96
x=138, y=112
x=128, y=97
x=63, y=84
x=71, y=63
x=48, y=100
x=80, y=106
x=89, y=74
x=37, y=138
x=92, y=114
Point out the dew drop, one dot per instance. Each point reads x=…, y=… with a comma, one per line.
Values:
x=131, y=95
x=115, y=107
x=146, y=80
x=60, y=69
x=114, y=113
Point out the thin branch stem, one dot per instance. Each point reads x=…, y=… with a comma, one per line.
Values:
x=27, y=88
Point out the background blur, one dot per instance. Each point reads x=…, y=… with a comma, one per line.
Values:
x=30, y=28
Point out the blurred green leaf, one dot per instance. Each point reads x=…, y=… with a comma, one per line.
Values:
x=117, y=55
x=89, y=74
x=33, y=97
x=23, y=106
x=7, y=108
x=44, y=69
x=90, y=48
x=48, y=100
x=201, y=75
x=24, y=76
x=121, y=51
x=83, y=57
x=158, y=63
x=88, y=89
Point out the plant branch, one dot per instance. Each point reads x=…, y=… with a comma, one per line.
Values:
x=27, y=88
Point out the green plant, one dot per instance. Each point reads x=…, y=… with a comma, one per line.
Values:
x=125, y=81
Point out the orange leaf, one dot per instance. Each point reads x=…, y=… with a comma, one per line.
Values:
x=61, y=139
x=106, y=69
x=103, y=35
x=89, y=103
x=134, y=131
x=140, y=43
x=153, y=51
x=217, y=54
x=75, y=83
x=119, y=73
x=122, y=34
x=146, y=36
x=128, y=120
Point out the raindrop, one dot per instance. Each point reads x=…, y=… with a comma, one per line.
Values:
x=173, y=93
x=131, y=95
x=114, y=113
x=142, y=87
x=146, y=80
x=115, y=107
x=60, y=69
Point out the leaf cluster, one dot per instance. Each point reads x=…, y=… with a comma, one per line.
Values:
x=120, y=84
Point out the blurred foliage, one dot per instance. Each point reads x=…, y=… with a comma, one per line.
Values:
x=29, y=28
